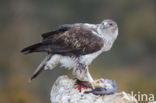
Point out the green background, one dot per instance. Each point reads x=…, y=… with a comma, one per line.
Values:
x=131, y=61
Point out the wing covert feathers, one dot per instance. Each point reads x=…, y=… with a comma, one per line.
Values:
x=68, y=40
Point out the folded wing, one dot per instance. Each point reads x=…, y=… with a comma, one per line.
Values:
x=77, y=39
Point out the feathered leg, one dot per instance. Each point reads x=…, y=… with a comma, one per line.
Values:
x=52, y=62
x=82, y=73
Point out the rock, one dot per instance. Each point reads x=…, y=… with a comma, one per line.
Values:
x=64, y=91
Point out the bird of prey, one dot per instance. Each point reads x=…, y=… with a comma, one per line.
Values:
x=75, y=46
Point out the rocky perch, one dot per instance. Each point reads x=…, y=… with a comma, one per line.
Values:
x=64, y=91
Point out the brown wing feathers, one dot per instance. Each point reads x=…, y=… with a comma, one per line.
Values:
x=44, y=46
x=32, y=48
x=68, y=40
x=60, y=29
x=82, y=41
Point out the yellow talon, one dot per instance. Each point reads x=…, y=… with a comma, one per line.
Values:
x=96, y=84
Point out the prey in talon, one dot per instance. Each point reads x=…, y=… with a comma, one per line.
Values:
x=75, y=46
x=105, y=87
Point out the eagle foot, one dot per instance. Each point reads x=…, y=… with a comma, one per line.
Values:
x=81, y=84
x=95, y=84
x=102, y=86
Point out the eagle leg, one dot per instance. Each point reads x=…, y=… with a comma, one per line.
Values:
x=82, y=73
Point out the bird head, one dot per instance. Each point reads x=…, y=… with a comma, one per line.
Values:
x=108, y=29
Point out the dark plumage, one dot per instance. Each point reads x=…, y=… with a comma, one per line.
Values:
x=68, y=40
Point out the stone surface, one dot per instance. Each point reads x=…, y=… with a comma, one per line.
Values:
x=64, y=91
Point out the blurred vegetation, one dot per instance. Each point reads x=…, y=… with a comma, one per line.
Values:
x=131, y=61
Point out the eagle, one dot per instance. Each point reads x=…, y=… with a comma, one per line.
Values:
x=75, y=46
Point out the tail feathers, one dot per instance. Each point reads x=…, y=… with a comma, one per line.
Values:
x=33, y=48
x=40, y=68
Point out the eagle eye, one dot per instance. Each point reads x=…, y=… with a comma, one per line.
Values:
x=111, y=24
